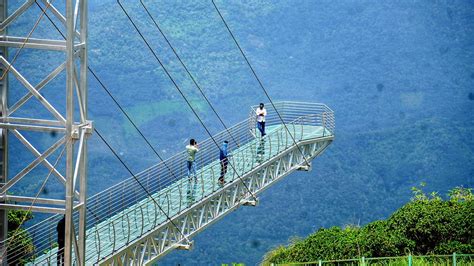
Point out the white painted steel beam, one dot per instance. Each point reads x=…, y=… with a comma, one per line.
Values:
x=33, y=208
x=31, y=199
x=32, y=89
x=74, y=50
x=61, y=17
x=38, y=87
x=32, y=43
x=35, y=152
x=3, y=132
x=32, y=165
x=18, y=12
x=32, y=128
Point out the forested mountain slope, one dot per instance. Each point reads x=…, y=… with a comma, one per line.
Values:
x=399, y=76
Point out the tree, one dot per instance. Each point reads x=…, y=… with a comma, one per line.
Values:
x=425, y=225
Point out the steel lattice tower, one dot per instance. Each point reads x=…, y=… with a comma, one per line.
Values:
x=73, y=134
x=3, y=137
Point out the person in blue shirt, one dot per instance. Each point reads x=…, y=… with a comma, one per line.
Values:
x=224, y=158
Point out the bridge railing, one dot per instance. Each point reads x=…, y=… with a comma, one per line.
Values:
x=409, y=260
x=170, y=178
x=290, y=111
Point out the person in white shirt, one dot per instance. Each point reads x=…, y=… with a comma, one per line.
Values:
x=261, y=113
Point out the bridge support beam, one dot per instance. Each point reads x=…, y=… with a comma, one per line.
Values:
x=172, y=234
x=3, y=137
x=69, y=131
x=249, y=202
x=305, y=167
x=187, y=246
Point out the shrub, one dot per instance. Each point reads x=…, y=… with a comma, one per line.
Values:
x=426, y=225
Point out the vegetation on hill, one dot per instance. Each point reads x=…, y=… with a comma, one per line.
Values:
x=426, y=225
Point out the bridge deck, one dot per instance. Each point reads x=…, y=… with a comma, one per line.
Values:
x=131, y=223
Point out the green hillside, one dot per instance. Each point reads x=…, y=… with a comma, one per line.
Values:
x=426, y=225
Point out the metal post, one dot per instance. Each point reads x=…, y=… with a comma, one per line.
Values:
x=83, y=164
x=454, y=259
x=324, y=122
x=75, y=49
x=363, y=261
x=69, y=144
x=410, y=260
x=3, y=134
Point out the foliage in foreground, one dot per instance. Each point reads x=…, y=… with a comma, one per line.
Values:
x=426, y=225
x=21, y=243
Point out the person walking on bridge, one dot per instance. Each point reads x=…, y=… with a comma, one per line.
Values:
x=192, y=149
x=261, y=113
x=223, y=157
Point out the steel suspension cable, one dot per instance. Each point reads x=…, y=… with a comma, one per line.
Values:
x=258, y=80
x=140, y=183
x=135, y=126
x=10, y=65
x=118, y=105
x=181, y=92
x=187, y=70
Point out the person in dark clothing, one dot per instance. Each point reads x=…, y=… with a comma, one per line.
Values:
x=61, y=228
x=223, y=157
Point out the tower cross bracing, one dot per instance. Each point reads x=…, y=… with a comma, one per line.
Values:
x=71, y=133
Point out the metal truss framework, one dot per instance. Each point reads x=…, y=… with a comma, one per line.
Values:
x=73, y=134
x=3, y=137
x=158, y=242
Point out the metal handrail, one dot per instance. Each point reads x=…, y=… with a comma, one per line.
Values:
x=157, y=178
x=269, y=155
x=408, y=259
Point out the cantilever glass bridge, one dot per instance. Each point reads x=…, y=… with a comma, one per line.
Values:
x=126, y=227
